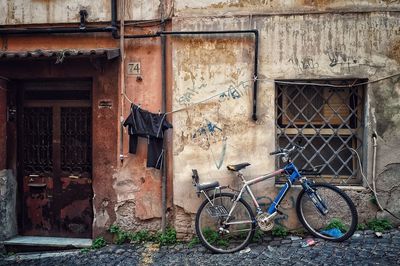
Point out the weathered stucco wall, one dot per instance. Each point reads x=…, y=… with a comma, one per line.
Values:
x=8, y=201
x=137, y=187
x=14, y=12
x=242, y=7
x=314, y=46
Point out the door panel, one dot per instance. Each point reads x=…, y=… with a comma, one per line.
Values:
x=37, y=168
x=76, y=164
x=56, y=157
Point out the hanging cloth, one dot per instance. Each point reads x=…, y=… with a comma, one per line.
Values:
x=142, y=123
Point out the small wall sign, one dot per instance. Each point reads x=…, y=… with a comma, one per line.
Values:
x=134, y=68
x=105, y=104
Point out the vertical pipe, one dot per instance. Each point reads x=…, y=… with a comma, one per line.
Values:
x=114, y=18
x=114, y=13
x=164, y=108
x=255, y=87
x=122, y=76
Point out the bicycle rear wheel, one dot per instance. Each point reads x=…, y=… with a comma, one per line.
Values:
x=338, y=222
x=218, y=235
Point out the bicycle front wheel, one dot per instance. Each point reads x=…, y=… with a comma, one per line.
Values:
x=220, y=233
x=327, y=212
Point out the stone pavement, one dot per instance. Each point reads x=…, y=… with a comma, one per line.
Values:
x=364, y=248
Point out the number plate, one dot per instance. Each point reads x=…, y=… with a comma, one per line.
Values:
x=133, y=68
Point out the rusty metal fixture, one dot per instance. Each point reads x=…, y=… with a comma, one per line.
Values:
x=83, y=15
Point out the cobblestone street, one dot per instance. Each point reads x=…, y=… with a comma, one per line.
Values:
x=364, y=248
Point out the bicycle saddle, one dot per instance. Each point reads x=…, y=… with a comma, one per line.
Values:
x=207, y=186
x=237, y=167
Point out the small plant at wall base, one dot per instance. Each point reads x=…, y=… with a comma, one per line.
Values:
x=98, y=243
x=141, y=237
x=279, y=231
x=361, y=227
x=169, y=238
x=120, y=236
x=213, y=237
x=337, y=223
x=195, y=241
x=379, y=225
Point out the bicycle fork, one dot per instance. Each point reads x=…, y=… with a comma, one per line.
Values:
x=315, y=198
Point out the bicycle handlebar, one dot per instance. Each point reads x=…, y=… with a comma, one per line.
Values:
x=281, y=151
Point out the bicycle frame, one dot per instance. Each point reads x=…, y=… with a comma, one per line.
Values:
x=293, y=175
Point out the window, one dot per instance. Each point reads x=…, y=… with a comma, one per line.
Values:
x=327, y=116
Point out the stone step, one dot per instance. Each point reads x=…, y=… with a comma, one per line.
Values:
x=31, y=243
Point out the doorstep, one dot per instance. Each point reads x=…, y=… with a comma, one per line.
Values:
x=46, y=243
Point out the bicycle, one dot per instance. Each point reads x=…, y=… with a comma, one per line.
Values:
x=225, y=222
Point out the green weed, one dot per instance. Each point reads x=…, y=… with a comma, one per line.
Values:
x=85, y=250
x=99, y=242
x=168, y=238
x=279, y=231
x=142, y=236
x=361, y=227
x=213, y=237
x=379, y=225
x=337, y=223
x=195, y=241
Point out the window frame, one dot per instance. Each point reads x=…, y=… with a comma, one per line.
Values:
x=321, y=128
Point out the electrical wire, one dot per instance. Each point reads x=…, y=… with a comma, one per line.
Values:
x=369, y=186
x=354, y=84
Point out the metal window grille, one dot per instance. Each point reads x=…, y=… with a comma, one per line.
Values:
x=328, y=121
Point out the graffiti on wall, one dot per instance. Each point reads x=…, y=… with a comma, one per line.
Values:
x=187, y=96
x=234, y=91
x=210, y=137
x=209, y=128
x=338, y=58
x=302, y=64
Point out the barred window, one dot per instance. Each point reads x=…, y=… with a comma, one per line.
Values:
x=327, y=116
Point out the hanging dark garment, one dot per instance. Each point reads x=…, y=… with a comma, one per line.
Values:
x=142, y=123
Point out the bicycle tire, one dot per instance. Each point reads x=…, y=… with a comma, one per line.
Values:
x=341, y=219
x=207, y=227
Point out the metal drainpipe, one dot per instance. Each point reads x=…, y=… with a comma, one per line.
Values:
x=164, y=108
x=114, y=18
x=122, y=77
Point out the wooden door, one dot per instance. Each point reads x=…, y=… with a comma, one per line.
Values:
x=56, y=159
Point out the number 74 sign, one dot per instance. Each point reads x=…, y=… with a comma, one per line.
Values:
x=133, y=68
